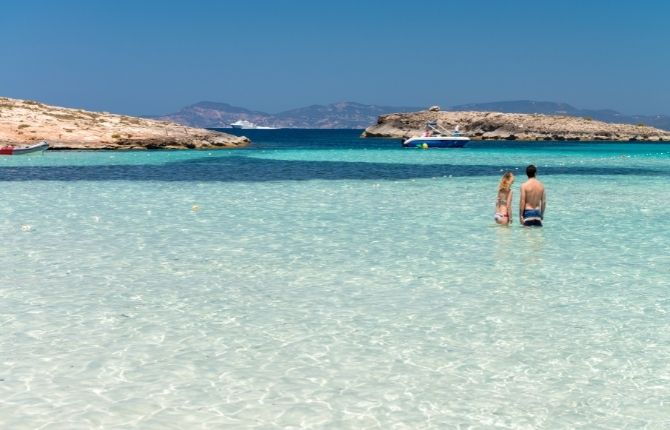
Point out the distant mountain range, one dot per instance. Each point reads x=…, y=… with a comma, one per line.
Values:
x=356, y=115
x=335, y=115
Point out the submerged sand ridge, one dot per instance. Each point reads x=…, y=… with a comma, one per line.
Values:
x=24, y=122
x=513, y=126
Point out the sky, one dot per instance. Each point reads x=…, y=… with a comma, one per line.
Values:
x=157, y=56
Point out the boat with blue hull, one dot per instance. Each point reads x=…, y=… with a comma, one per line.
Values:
x=436, y=137
x=436, y=142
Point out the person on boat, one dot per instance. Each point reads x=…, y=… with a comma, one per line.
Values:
x=533, y=200
x=504, y=200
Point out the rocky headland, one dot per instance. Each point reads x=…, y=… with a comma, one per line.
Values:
x=513, y=126
x=23, y=122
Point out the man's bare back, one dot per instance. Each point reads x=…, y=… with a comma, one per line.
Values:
x=533, y=200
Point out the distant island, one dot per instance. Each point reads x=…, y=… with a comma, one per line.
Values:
x=349, y=115
x=354, y=115
x=513, y=126
x=27, y=121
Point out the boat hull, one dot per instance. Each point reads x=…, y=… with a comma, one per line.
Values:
x=436, y=142
x=252, y=127
x=20, y=150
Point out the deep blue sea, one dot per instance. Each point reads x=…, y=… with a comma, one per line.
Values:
x=318, y=280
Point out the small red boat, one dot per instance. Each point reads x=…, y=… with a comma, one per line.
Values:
x=19, y=150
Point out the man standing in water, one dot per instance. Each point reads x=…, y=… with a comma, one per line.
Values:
x=533, y=200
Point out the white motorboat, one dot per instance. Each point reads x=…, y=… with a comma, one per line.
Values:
x=19, y=150
x=243, y=123
x=435, y=136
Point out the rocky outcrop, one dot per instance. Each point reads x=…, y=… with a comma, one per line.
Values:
x=553, y=108
x=507, y=126
x=26, y=121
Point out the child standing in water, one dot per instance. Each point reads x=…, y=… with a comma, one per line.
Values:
x=504, y=199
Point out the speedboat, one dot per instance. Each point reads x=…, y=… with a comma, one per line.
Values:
x=243, y=123
x=435, y=136
x=20, y=150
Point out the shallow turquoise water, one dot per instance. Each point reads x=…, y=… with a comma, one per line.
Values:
x=315, y=281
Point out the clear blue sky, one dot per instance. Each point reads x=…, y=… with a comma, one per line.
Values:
x=156, y=56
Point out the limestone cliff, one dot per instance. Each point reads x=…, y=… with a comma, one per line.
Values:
x=24, y=121
x=509, y=126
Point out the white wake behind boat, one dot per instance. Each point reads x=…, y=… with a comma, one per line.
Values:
x=20, y=150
